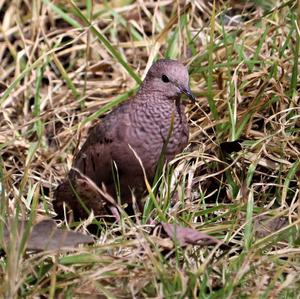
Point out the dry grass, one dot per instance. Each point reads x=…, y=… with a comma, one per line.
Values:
x=62, y=65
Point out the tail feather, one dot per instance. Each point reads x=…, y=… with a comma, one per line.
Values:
x=79, y=198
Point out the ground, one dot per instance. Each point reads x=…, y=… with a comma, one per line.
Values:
x=65, y=64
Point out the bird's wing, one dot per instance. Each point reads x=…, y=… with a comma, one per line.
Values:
x=95, y=157
x=93, y=162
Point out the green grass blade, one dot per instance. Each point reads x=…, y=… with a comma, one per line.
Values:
x=106, y=43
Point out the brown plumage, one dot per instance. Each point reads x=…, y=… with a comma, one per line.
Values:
x=143, y=122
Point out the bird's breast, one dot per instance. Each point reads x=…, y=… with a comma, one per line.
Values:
x=153, y=125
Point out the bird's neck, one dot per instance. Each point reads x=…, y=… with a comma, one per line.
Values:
x=147, y=93
x=156, y=103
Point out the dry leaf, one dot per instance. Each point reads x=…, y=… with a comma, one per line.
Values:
x=46, y=236
x=185, y=236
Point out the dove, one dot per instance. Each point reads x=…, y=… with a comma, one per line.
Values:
x=127, y=144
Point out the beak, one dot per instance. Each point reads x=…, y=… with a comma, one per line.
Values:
x=189, y=94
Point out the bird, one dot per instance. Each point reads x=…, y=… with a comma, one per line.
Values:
x=126, y=145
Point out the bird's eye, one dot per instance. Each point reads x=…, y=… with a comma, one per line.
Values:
x=165, y=79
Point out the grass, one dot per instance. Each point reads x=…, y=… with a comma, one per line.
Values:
x=66, y=64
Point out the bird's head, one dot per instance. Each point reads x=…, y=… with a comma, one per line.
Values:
x=169, y=77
